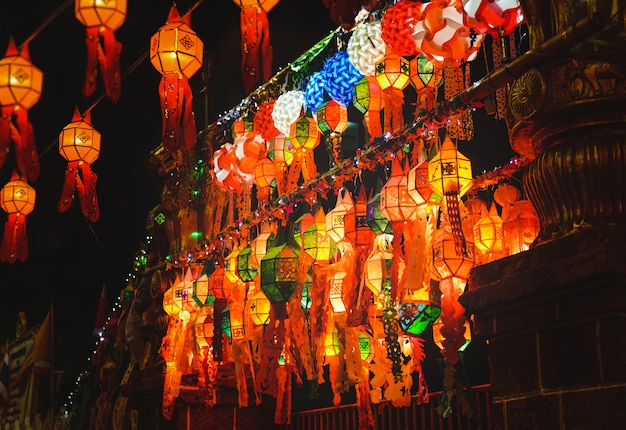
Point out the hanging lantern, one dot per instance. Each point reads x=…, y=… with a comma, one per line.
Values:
x=419, y=187
x=357, y=230
x=264, y=177
x=249, y=148
x=440, y=33
x=219, y=287
x=335, y=218
x=230, y=265
x=261, y=243
x=375, y=219
x=439, y=338
x=392, y=74
x=450, y=175
x=314, y=93
x=377, y=267
x=288, y=107
x=395, y=202
x=256, y=50
x=368, y=99
x=315, y=240
x=301, y=224
x=488, y=232
x=174, y=297
x=520, y=226
x=423, y=319
x=425, y=79
x=225, y=322
x=447, y=261
x=336, y=291
x=259, y=308
x=263, y=121
x=341, y=77
x=204, y=326
x=101, y=19
x=305, y=137
x=332, y=117
x=17, y=199
x=493, y=16
x=279, y=268
x=201, y=289
x=366, y=47
x=245, y=268
x=79, y=144
x=397, y=26
x=20, y=89
x=176, y=52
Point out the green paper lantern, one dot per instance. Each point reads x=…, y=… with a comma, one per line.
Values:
x=278, y=272
x=245, y=270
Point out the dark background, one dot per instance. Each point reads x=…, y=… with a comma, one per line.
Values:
x=70, y=258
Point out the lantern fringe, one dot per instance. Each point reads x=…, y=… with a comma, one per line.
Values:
x=179, y=124
x=14, y=240
x=103, y=50
x=256, y=50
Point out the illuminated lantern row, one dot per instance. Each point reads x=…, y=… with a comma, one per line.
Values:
x=20, y=89
x=176, y=52
x=101, y=19
x=79, y=144
x=17, y=199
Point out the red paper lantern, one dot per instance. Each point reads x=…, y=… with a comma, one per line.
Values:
x=176, y=52
x=20, y=89
x=397, y=27
x=17, y=199
x=102, y=18
x=79, y=144
x=263, y=121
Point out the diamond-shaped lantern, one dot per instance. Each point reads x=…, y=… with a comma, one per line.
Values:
x=278, y=272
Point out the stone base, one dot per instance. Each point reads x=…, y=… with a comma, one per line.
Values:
x=554, y=319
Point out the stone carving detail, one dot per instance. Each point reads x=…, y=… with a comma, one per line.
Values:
x=588, y=79
x=528, y=93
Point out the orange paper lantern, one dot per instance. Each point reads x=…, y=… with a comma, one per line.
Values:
x=17, y=199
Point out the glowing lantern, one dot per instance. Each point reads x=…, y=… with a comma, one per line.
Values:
x=278, y=272
x=357, y=231
x=174, y=297
x=249, y=148
x=377, y=267
x=256, y=51
x=17, y=199
x=314, y=94
x=366, y=47
x=259, y=309
x=264, y=176
x=392, y=74
x=424, y=79
x=288, y=107
x=20, y=89
x=245, y=269
x=520, y=223
x=368, y=99
x=263, y=121
x=341, y=77
x=450, y=175
x=305, y=136
x=79, y=144
x=440, y=33
x=336, y=291
x=488, y=232
x=493, y=16
x=447, y=261
x=282, y=152
x=335, y=218
x=397, y=27
x=201, y=289
x=261, y=243
x=395, y=201
x=377, y=221
x=419, y=188
x=226, y=322
x=300, y=226
x=426, y=316
x=315, y=240
x=365, y=346
x=176, y=52
x=204, y=326
x=102, y=18
x=439, y=338
x=230, y=266
x=219, y=287
x=332, y=117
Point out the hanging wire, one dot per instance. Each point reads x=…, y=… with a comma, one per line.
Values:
x=47, y=21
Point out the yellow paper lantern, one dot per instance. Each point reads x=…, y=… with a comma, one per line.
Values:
x=316, y=242
x=204, y=326
x=259, y=308
x=520, y=226
x=393, y=71
x=449, y=171
x=488, y=232
x=396, y=204
x=17, y=199
x=447, y=261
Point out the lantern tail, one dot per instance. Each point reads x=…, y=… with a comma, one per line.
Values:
x=14, y=242
x=256, y=50
x=92, y=42
x=454, y=216
x=69, y=186
x=179, y=126
x=6, y=131
x=109, y=60
x=86, y=188
x=25, y=149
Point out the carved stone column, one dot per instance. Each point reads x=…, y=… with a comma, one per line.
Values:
x=552, y=316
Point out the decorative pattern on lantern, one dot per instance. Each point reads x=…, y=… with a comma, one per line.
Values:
x=439, y=338
x=218, y=286
x=316, y=242
x=332, y=120
x=101, y=19
x=488, y=235
x=397, y=27
x=493, y=16
x=204, y=326
x=176, y=52
x=264, y=240
x=259, y=308
x=419, y=187
x=340, y=77
x=264, y=177
x=395, y=201
x=336, y=291
x=520, y=223
x=245, y=268
x=425, y=78
x=278, y=272
x=357, y=230
x=446, y=261
x=17, y=199
x=20, y=89
x=335, y=218
x=288, y=107
x=79, y=144
x=366, y=47
x=305, y=136
x=377, y=268
x=375, y=218
x=368, y=99
x=392, y=74
x=450, y=175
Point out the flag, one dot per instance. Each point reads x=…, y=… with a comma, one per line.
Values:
x=41, y=351
x=101, y=313
x=4, y=380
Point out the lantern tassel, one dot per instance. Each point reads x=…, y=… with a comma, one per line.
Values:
x=14, y=242
x=256, y=50
x=91, y=42
x=454, y=216
x=25, y=149
x=6, y=131
x=106, y=56
x=86, y=189
x=179, y=125
x=69, y=186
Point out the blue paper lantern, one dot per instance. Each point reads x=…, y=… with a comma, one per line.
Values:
x=341, y=77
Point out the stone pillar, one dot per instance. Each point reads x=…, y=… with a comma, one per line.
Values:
x=554, y=317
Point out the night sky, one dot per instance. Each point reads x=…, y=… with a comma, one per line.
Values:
x=70, y=258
